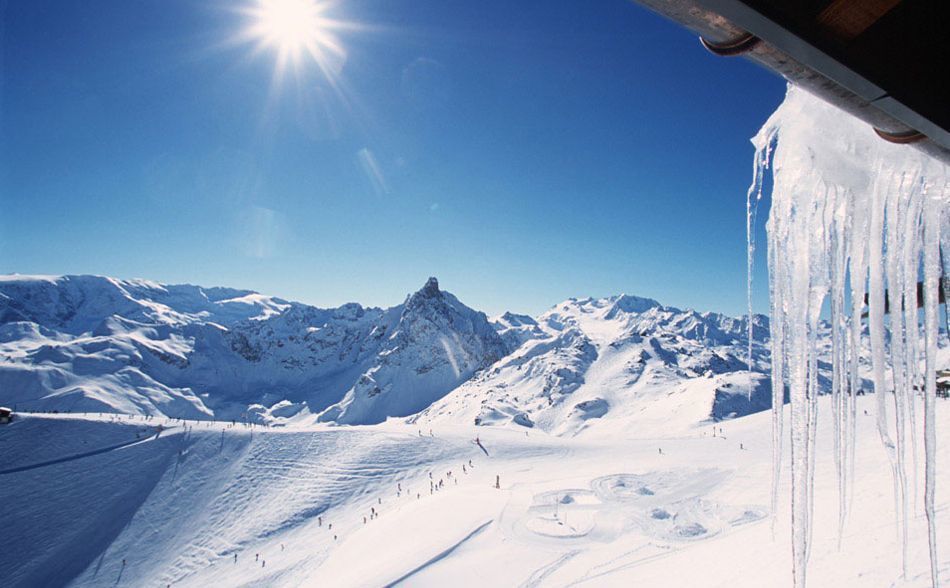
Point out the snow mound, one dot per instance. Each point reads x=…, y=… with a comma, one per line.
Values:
x=669, y=506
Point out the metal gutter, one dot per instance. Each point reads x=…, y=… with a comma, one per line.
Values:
x=804, y=64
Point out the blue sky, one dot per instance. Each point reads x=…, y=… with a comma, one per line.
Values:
x=523, y=152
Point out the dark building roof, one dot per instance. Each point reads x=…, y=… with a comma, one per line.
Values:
x=884, y=61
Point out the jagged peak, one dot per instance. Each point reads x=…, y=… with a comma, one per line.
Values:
x=427, y=295
x=431, y=288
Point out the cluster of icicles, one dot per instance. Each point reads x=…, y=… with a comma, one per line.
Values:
x=854, y=222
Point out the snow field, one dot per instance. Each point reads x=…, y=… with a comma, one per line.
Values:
x=177, y=508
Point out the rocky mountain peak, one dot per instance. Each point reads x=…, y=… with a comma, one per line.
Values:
x=431, y=288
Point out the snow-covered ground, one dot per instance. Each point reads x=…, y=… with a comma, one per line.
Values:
x=612, y=426
x=95, y=500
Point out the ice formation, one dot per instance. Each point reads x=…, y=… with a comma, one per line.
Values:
x=854, y=221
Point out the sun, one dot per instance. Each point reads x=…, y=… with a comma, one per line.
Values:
x=289, y=25
x=299, y=30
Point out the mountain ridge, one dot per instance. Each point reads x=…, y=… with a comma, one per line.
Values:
x=100, y=344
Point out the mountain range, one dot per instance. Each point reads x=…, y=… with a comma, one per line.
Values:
x=99, y=344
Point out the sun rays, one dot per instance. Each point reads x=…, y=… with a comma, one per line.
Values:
x=300, y=33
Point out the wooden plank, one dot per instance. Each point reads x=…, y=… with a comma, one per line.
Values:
x=847, y=19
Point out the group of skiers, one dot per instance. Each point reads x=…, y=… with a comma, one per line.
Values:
x=434, y=486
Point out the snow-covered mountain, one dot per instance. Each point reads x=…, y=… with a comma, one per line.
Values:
x=611, y=358
x=91, y=344
x=97, y=344
x=436, y=344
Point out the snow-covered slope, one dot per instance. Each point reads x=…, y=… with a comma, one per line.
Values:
x=100, y=501
x=516, y=329
x=95, y=344
x=89, y=343
x=590, y=360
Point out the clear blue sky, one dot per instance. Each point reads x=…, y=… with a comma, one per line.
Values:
x=523, y=152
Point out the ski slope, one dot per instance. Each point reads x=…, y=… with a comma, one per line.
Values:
x=93, y=500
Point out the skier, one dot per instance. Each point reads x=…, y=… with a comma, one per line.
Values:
x=660, y=449
x=235, y=558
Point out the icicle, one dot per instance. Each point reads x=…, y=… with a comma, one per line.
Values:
x=838, y=247
x=763, y=144
x=847, y=207
x=751, y=211
x=858, y=265
x=913, y=239
x=932, y=271
x=895, y=242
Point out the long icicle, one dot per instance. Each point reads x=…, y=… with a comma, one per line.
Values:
x=753, y=197
x=895, y=241
x=840, y=409
x=932, y=272
x=876, y=328
x=858, y=260
x=846, y=208
x=777, y=273
x=910, y=260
